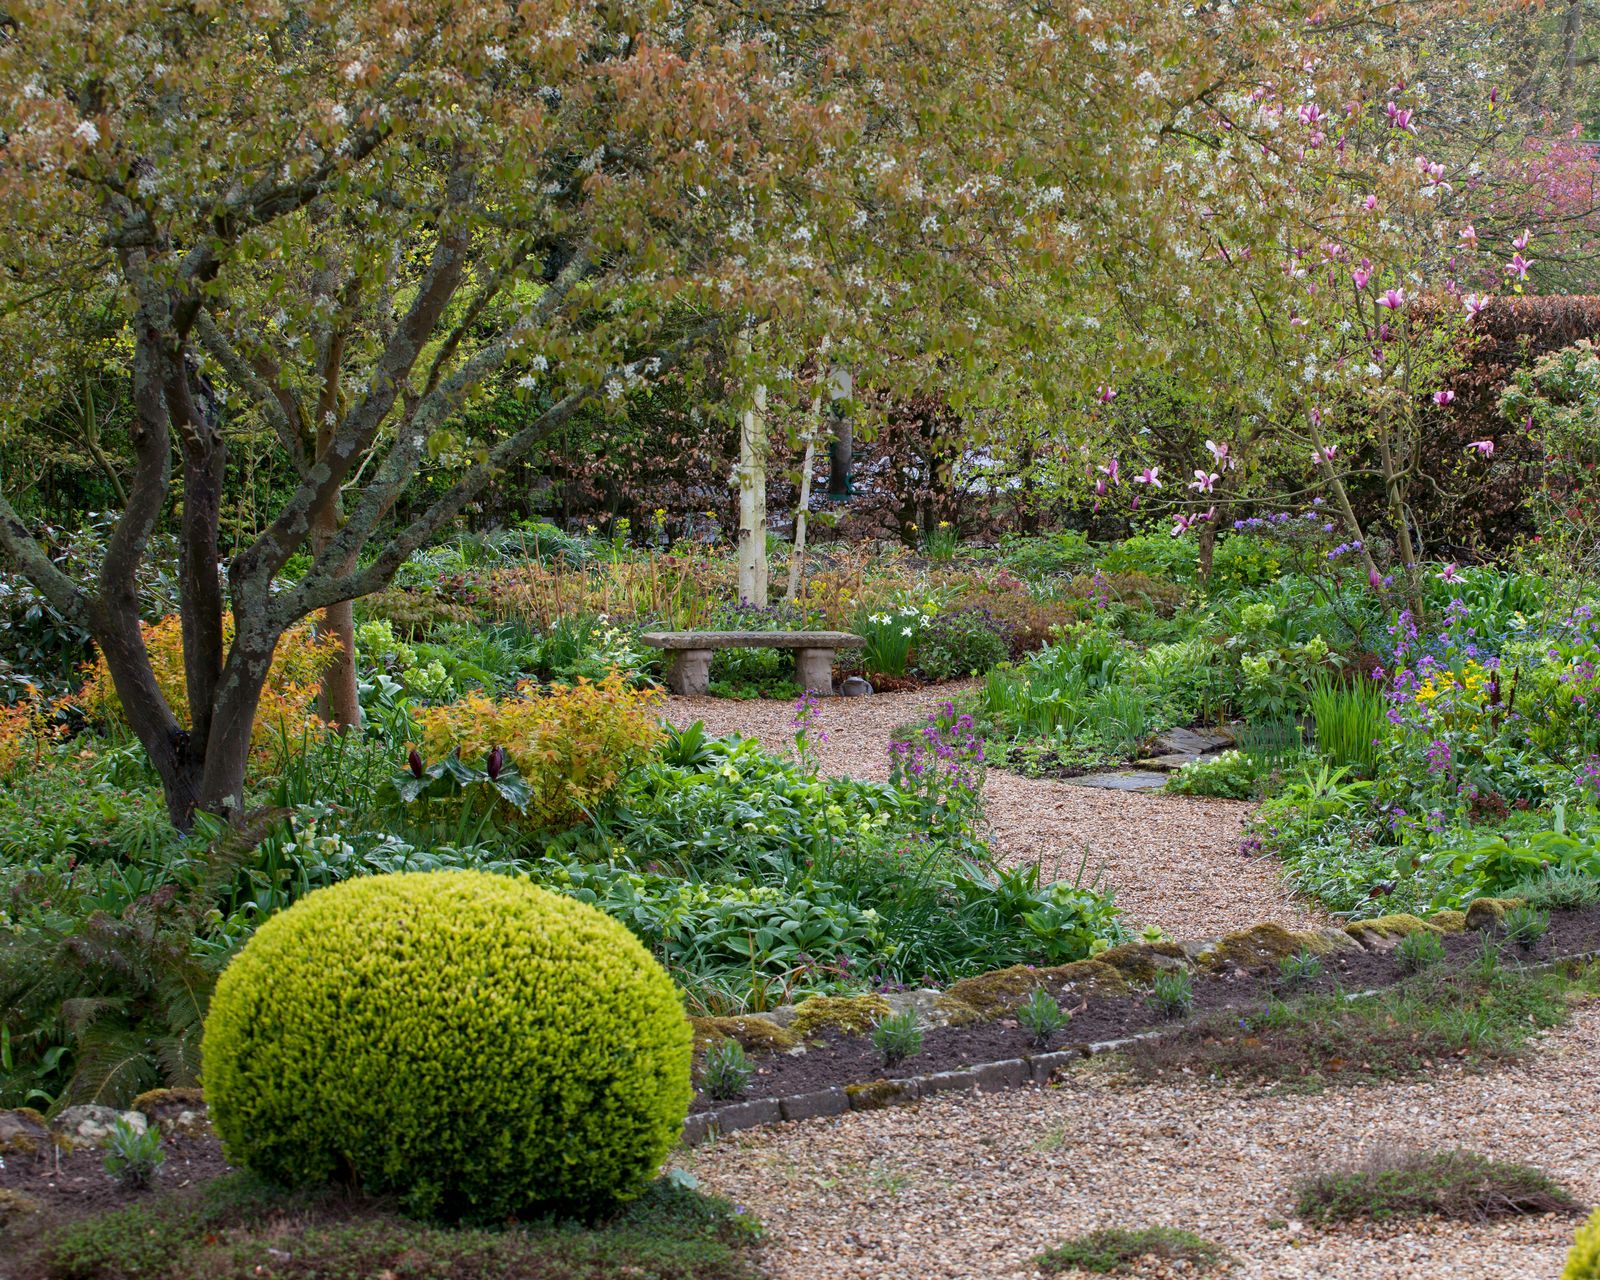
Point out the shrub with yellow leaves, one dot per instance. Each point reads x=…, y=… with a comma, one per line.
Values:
x=286, y=699
x=572, y=745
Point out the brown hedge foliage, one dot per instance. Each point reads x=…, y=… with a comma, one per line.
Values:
x=1468, y=509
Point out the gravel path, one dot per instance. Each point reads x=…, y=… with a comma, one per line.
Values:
x=962, y=1188
x=1173, y=860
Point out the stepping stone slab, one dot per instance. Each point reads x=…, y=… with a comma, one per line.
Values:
x=1192, y=742
x=1168, y=763
x=1136, y=780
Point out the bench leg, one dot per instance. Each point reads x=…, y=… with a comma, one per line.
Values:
x=689, y=671
x=813, y=670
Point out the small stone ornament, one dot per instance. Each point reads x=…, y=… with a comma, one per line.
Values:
x=854, y=687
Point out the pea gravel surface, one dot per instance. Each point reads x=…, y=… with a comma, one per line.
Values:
x=961, y=1187
x=1173, y=861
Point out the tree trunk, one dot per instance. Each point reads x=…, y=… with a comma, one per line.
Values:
x=1208, y=548
x=753, y=494
x=797, y=557
x=841, y=461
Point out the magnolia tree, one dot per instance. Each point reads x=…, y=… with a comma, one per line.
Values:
x=346, y=223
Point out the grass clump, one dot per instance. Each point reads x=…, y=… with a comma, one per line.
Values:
x=1480, y=1013
x=1041, y=1015
x=727, y=1070
x=1419, y=951
x=1301, y=969
x=1172, y=994
x=1558, y=890
x=671, y=1232
x=1525, y=925
x=897, y=1037
x=1409, y=1184
x=1118, y=1251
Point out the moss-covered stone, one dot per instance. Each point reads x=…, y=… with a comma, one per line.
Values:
x=23, y=1132
x=756, y=1035
x=990, y=995
x=874, y=1095
x=1486, y=913
x=1448, y=921
x=1264, y=946
x=1139, y=962
x=851, y=1014
x=15, y=1205
x=174, y=1111
x=1384, y=932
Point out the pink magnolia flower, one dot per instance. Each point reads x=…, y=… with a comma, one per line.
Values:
x=1517, y=268
x=1326, y=454
x=1399, y=117
x=1370, y=203
x=1393, y=299
x=1521, y=242
x=1361, y=275
x=1209, y=514
x=1113, y=470
x=1469, y=235
x=1485, y=448
x=1316, y=416
x=1149, y=476
x=1100, y=488
x=1475, y=303
x=1105, y=393
x=1203, y=480
x=1133, y=503
x=1219, y=454
x=1449, y=574
x=1442, y=398
x=1310, y=113
x=1181, y=525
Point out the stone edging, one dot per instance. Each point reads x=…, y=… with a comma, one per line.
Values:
x=988, y=1077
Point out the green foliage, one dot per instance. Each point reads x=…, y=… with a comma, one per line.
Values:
x=1414, y=1184
x=1041, y=1016
x=1418, y=951
x=1525, y=925
x=1155, y=554
x=343, y=1038
x=1172, y=993
x=671, y=1232
x=1554, y=889
x=1351, y=722
x=959, y=642
x=133, y=1156
x=891, y=633
x=1229, y=775
x=1119, y=1250
x=897, y=1036
x=1491, y=865
x=1299, y=970
x=726, y=1071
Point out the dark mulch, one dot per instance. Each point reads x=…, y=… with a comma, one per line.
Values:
x=840, y=1059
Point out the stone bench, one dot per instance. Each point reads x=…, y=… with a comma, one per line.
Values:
x=689, y=667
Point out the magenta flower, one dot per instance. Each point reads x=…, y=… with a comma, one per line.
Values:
x=1105, y=393
x=1449, y=574
x=1521, y=242
x=1310, y=113
x=1517, y=268
x=1442, y=398
x=1203, y=480
x=1210, y=513
x=1100, y=487
x=1149, y=476
x=1219, y=455
x=1361, y=275
x=1370, y=203
x=1469, y=236
x=1475, y=303
x=1180, y=525
x=1113, y=470
x=1325, y=454
x=1393, y=299
x=1485, y=448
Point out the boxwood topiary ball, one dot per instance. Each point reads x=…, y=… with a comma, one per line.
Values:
x=475, y=1044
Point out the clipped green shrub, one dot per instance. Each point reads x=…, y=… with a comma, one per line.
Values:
x=1583, y=1263
x=474, y=1044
